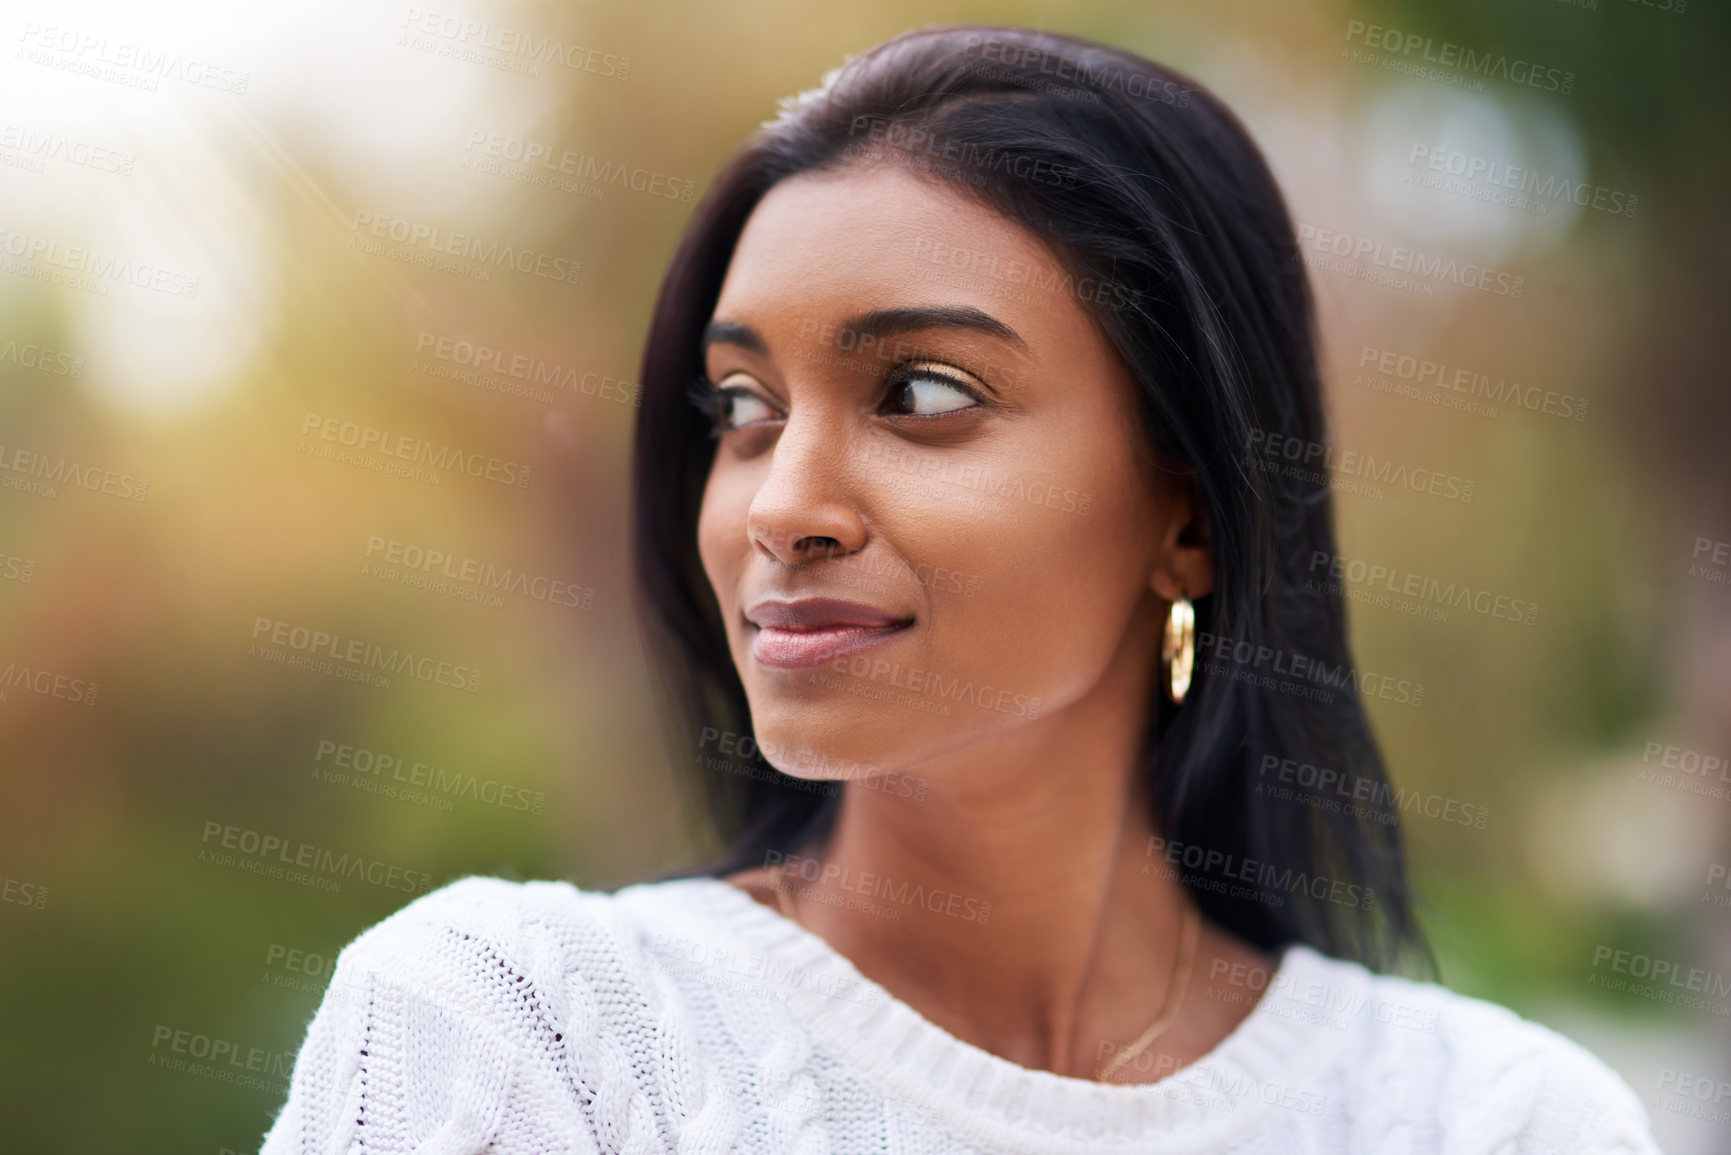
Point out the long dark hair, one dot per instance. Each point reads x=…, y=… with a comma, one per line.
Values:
x=1141, y=181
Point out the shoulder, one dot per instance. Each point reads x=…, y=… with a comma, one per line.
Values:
x=493, y=914
x=514, y=956
x=1493, y=1080
x=479, y=1003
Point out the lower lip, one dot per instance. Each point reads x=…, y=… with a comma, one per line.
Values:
x=800, y=649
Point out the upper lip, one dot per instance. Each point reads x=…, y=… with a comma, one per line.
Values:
x=818, y=614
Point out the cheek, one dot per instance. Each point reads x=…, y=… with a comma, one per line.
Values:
x=1060, y=573
x=721, y=535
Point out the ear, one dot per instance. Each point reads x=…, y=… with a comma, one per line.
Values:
x=1184, y=562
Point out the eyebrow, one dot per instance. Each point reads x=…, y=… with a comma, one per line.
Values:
x=889, y=322
x=731, y=333
x=877, y=323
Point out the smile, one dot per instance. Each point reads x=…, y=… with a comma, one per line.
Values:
x=797, y=635
x=797, y=649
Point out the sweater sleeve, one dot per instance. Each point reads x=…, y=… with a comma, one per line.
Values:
x=1619, y=1125
x=1519, y=1087
x=433, y=1038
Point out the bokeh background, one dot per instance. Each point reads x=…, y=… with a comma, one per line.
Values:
x=191, y=287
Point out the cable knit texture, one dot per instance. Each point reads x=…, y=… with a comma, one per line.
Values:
x=684, y=1017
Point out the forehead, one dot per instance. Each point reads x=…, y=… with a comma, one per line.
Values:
x=876, y=235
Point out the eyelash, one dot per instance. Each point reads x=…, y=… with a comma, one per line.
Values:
x=711, y=399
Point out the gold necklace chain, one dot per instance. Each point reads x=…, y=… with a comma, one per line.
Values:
x=1174, y=992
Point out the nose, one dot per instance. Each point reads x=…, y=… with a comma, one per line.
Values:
x=805, y=509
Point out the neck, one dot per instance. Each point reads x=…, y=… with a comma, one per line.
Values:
x=1010, y=905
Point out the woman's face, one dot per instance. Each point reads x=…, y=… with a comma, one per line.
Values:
x=928, y=524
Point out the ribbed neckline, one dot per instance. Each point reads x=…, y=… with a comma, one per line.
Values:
x=1270, y=1060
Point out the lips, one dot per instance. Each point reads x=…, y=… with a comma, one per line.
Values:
x=809, y=632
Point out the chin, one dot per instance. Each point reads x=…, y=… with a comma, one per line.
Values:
x=833, y=748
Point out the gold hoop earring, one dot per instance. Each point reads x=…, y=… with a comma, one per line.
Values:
x=1178, y=651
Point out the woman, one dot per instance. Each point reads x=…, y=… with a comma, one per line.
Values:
x=990, y=621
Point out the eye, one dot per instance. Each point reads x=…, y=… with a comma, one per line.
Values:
x=923, y=390
x=739, y=407
x=732, y=406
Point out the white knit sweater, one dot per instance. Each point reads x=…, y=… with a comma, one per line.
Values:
x=533, y=1018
